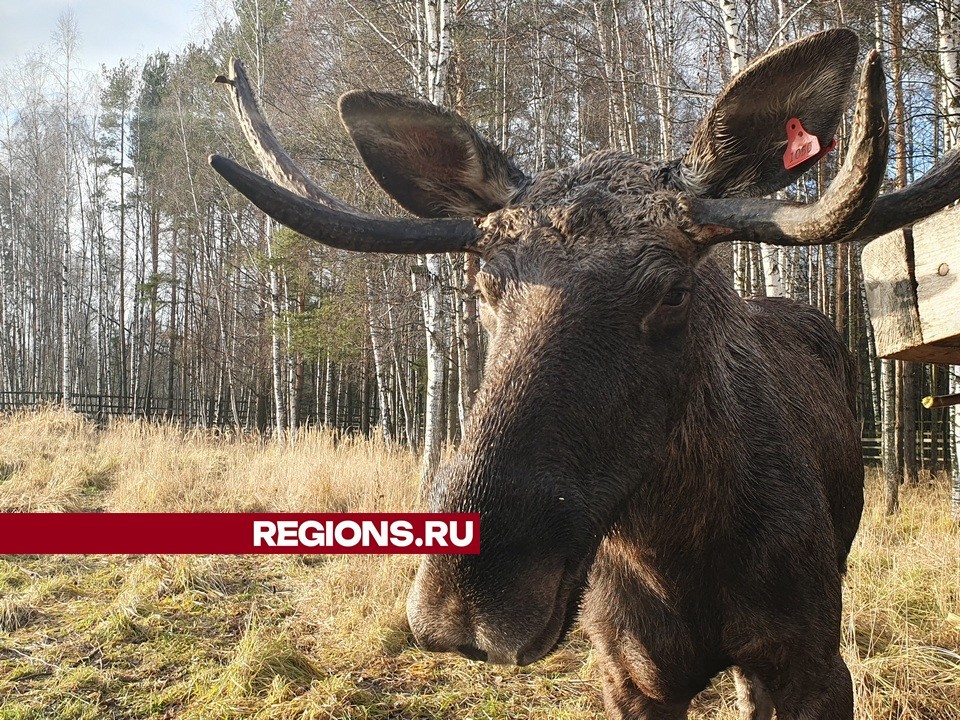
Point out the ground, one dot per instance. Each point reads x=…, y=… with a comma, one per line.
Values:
x=325, y=637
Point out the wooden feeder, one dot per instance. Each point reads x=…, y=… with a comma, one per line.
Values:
x=912, y=279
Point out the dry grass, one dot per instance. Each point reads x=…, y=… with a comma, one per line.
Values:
x=53, y=461
x=902, y=601
x=325, y=637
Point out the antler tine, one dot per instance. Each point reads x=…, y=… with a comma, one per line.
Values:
x=348, y=231
x=938, y=187
x=279, y=166
x=842, y=209
x=296, y=201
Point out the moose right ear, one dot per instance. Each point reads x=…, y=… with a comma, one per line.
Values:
x=428, y=159
x=738, y=148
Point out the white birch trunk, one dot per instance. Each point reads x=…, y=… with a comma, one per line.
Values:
x=949, y=47
x=871, y=354
x=328, y=393
x=439, y=45
x=614, y=125
x=379, y=368
x=469, y=346
x=543, y=149
x=293, y=418
x=948, y=21
x=770, y=256
x=773, y=257
x=431, y=299
x=728, y=9
x=276, y=356
x=627, y=130
x=660, y=53
x=68, y=41
x=731, y=26
x=504, y=105
x=891, y=472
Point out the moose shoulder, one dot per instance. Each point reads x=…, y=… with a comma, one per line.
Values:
x=679, y=464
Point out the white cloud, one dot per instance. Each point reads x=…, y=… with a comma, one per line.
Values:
x=109, y=29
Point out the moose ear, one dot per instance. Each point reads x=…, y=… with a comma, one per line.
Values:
x=428, y=159
x=738, y=148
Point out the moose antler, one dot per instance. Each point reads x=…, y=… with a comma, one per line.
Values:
x=844, y=208
x=937, y=188
x=850, y=209
x=296, y=201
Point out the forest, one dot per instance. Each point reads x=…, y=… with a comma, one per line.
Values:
x=134, y=282
x=167, y=348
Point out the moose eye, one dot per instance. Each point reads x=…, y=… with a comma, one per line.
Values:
x=676, y=297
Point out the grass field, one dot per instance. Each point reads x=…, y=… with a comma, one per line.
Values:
x=325, y=637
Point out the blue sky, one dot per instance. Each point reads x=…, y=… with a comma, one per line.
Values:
x=109, y=29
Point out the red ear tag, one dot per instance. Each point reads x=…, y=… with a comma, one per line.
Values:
x=802, y=145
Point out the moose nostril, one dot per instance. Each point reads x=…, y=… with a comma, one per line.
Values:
x=472, y=652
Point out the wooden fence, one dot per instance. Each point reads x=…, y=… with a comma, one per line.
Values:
x=933, y=441
x=254, y=412
x=932, y=449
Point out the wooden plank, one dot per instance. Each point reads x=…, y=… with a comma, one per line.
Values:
x=932, y=353
x=891, y=299
x=937, y=262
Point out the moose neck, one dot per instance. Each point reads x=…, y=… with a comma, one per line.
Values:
x=706, y=457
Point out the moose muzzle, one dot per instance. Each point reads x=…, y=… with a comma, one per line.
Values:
x=512, y=616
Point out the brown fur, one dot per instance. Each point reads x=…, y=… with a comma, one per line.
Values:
x=680, y=464
x=716, y=454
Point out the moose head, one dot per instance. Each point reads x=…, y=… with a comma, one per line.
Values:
x=621, y=366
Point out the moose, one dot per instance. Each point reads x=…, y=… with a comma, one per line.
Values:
x=678, y=466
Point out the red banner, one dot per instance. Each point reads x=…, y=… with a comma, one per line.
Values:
x=238, y=533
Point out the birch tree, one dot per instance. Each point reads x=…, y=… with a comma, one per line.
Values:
x=117, y=99
x=258, y=20
x=195, y=317
x=948, y=31
x=66, y=40
x=377, y=346
x=769, y=254
x=438, y=41
x=731, y=27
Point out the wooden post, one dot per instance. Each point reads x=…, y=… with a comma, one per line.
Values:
x=912, y=281
x=933, y=401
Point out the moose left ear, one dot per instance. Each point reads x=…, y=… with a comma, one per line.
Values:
x=738, y=148
x=428, y=159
